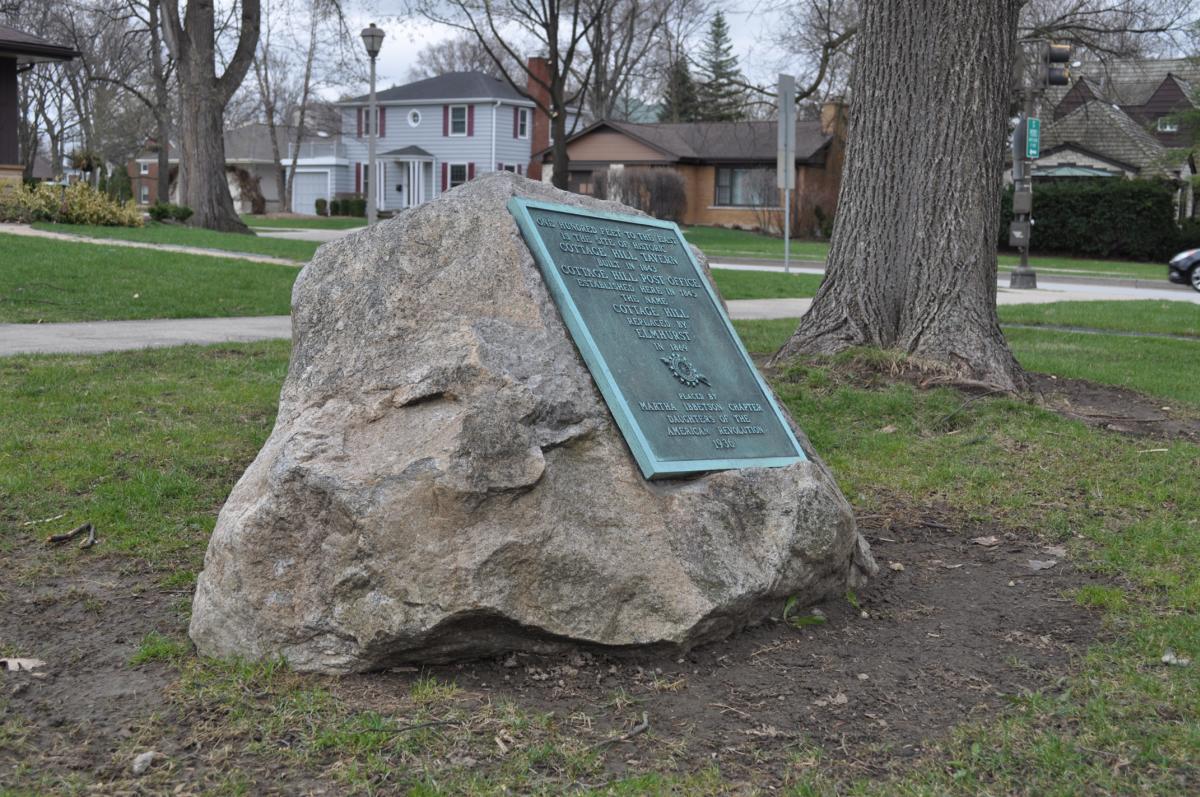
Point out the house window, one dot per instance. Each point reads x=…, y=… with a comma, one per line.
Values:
x=458, y=123
x=508, y=167
x=366, y=179
x=458, y=174
x=1168, y=125
x=143, y=168
x=414, y=118
x=145, y=195
x=745, y=187
x=522, y=123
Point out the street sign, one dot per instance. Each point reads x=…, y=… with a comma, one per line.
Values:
x=1033, y=139
x=785, y=172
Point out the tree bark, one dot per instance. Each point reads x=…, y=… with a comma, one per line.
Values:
x=912, y=265
x=203, y=96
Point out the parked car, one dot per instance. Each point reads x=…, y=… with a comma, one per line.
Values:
x=1185, y=268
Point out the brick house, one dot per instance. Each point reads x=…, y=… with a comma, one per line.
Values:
x=728, y=168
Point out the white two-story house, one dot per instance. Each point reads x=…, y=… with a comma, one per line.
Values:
x=433, y=135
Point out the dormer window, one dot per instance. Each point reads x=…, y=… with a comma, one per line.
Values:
x=1166, y=125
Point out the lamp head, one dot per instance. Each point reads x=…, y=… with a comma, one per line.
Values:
x=373, y=39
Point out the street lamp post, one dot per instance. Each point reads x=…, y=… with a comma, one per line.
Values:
x=373, y=39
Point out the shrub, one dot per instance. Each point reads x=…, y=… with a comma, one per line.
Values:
x=354, y=206
x=1189, y=235
x=659, y=192
x=335, y=207
x=164, y=211
x=76, y=204
x=1100, y=218
x=321, y=206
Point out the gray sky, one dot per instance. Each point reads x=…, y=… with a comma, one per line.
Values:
x=406, y=38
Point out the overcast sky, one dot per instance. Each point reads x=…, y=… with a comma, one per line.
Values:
x=406, y=38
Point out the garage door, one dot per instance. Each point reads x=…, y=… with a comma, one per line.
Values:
x=307, y=189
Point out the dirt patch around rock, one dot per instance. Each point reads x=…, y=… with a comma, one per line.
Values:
x=949, y=629
x=1116, y=409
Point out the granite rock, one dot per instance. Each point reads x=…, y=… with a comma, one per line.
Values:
x=444, y=480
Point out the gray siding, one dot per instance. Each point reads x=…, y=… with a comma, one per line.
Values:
x=427, y=135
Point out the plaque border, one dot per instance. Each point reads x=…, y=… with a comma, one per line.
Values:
x=651, y=466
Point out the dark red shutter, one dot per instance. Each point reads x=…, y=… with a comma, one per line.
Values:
x=516, y=121
x=470, y=120
x=445, y=123
x=445, y=176
x=470, y=171
x=358, y=178
x=358, y=114
x=382, y=121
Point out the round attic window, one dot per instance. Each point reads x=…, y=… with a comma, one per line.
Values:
x=414, y=118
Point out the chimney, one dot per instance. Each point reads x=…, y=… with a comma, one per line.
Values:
x=540, y=137
x=833, y=117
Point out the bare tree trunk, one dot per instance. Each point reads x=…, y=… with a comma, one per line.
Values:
x=912, y=264
x=562, y=163
x=162, y=107
x=203, y=96
x=305, y=95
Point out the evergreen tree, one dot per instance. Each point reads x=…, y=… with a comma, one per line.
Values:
x=680, y=102
x=721, y=96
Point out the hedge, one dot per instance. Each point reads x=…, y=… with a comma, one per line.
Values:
x=78, y=203
x=1131, y=219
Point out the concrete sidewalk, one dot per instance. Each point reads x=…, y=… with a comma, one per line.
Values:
x=30, y=232
x=95, y=337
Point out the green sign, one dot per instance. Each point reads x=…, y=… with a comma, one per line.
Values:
x=1033, y=138
x=684, y=393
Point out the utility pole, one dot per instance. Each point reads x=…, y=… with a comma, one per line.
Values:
x=785, y=174
x=1046, y=66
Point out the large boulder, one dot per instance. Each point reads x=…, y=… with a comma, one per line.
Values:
x=444, y=480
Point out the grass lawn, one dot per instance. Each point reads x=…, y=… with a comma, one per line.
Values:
x=305, y=222
x=47, y=280
x=1158, y=367
x=148, y=444
x=764, y=284
x=717, y=242
x=1153, y=366
x=180, y=235
x=1170, y=318
x=720, y=242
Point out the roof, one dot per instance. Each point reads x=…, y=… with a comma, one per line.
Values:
x=249, y=144
x=1133, y=82
x=411, y=151
x=450, y=86
x=749, y=141
x=1071, y=170
x=1106, y=130
x=27, y=48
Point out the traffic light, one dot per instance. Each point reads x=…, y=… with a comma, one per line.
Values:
x=1055, y=68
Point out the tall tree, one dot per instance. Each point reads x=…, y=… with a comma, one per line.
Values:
x=559, y=30
x=680, y=102
x=624, y=36
x=912, y=265
x=461, y=53
x=204, y=94
x=721, y=84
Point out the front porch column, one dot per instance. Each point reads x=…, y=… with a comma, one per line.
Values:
x=10, y=118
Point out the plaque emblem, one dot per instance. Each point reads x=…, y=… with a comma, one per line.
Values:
x=684, y=371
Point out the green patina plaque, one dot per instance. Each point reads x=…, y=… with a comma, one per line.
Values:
x=675, y=375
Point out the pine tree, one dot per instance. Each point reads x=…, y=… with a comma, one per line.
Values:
x=680, y=102
x=721, y=96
